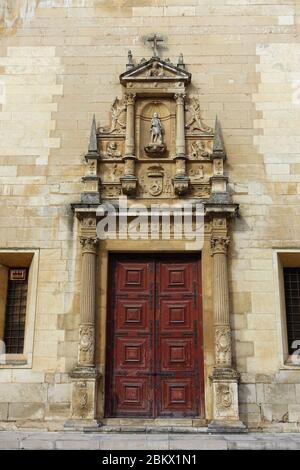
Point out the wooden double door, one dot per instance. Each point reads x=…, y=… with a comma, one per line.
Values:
x=154, y=337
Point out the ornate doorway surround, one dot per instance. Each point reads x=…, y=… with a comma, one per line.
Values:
x=156, y=148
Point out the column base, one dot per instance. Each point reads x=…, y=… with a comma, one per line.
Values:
x=226, y=406
x=84, y=398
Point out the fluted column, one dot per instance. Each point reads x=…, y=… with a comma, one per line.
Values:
x=219, y=245
x=224, y=376
x=129, y=138
x=86, y=353
x=129, y=180
x=181, y=180
x=180, y=132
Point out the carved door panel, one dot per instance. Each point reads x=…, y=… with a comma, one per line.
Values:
x=154, y=338
x=178, y=332
x=130, y=339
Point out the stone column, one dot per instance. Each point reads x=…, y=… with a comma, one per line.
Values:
x=86, y=349
x=180, y=129
x=181, y=180
x=129, y=180
x=224, y=377
x=129, y=139
x=219, y=246
x=84, y=376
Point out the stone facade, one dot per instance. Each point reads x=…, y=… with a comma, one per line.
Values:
x=60, y=63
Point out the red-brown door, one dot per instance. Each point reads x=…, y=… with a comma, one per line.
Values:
x=154, y=350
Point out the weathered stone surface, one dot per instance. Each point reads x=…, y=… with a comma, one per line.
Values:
x=23, y=393
x=247, y=393
x=34, y=411
x=279, y=393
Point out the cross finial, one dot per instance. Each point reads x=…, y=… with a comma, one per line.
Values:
x=155, y=40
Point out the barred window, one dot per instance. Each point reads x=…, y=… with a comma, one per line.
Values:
x=292, y=302
x=15, y=314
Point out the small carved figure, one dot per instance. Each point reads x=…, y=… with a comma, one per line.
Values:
x=199, y=150
x=115, y=173
x=196, y=123
x=117, y=122
x=112, y=150
x=156, y=130
x=116, y=112
x=197, y=174
x=155, y=71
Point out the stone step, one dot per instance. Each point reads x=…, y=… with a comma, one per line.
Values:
x=148, y=429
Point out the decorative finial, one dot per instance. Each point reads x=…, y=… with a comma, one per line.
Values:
x=180, y=63
x=155, y=40
x=130, y=63
x=93, y=148
x=218, y=144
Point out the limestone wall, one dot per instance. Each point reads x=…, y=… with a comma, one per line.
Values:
x=59, y=64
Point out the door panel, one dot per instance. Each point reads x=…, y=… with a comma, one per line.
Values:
x=154, y=338
x=178, y=321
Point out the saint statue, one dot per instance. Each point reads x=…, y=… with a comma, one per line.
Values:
x=156, y=130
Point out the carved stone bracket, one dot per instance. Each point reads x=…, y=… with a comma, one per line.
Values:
x=129, y=185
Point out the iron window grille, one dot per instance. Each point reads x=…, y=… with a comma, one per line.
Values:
x=15, y=315
x=292, y=302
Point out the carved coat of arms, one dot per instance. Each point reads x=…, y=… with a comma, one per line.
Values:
x=155, y=180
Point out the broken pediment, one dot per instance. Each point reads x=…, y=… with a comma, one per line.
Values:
x=155, y=69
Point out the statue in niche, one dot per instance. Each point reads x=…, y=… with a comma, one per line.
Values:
x=156, y=147
x=156, y=130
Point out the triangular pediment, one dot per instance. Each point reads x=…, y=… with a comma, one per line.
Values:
x=155, y=69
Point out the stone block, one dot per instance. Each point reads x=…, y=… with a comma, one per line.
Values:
x=59, y=393
x=279, y=393
x=289, y=377
x=294, y=413
x=3, y=411
x=32, y=411
x=23, y=393
x=244, y=349
x=297, y=387
x=275, y=413
x=247, y=393
x=263, y=302
x=36, y=444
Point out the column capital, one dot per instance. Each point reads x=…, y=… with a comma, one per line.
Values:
x=89, y=244
x=219, y=244
x=179, y=98
x=129, y=98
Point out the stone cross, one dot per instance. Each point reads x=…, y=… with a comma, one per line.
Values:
x=155, y=40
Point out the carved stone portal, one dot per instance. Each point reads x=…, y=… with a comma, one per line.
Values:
x=156, y=121
x=158, y=146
